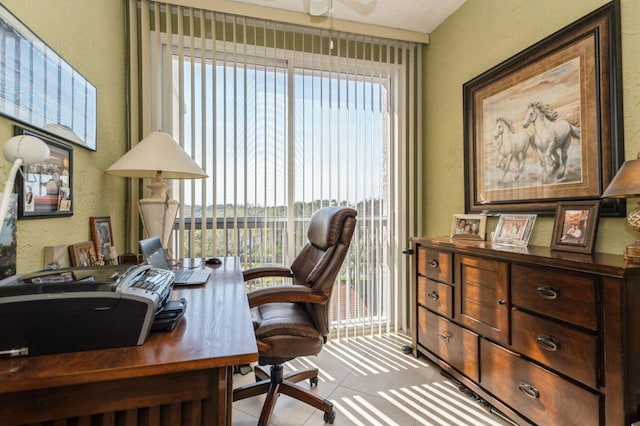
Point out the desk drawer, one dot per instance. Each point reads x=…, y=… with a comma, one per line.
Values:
x=558, y=294
x=436, y=296
x=540, y=395
x=435, y=264
x=560, y=347
x=455, y=345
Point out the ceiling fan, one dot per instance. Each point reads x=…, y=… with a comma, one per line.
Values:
x=322, y=7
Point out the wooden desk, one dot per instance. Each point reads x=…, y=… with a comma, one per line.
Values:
x=179, y=378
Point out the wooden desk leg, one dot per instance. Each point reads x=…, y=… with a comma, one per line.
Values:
x=228, y=380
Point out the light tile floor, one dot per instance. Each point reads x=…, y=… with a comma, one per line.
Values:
x=371, y=382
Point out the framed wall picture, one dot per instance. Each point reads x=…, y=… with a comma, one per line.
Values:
x=82, y=254
x=102, y=236
x=42, y=90
x=468, y=226
x=46, y=189
x=576, y=226
x=514, y=229
x=546, y=125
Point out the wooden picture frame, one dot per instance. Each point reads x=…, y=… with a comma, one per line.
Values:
x=468, y=226
x=576, y=226
x=569, y=83
x=41, y=89
x=514, y=229
x=102, y=235
x=46, y=189
x=82, y=254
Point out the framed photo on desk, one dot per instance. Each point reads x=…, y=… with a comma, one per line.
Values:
x=102, y=236
x=82, y=254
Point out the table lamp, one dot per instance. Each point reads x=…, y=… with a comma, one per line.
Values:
x=157, y=156
x=20, y=150
x=626, y=184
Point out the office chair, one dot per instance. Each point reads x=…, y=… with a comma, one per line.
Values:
x=293, y=320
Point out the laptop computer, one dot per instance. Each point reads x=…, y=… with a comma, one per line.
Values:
x=155, y=255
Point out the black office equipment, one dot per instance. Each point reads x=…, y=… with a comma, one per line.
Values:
x=169, y=316
x=76, y=309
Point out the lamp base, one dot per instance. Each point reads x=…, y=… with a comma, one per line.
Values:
x=632, y=251
x=158, y=218
x=158, y=212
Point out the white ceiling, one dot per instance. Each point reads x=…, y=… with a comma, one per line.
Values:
x=422, y=16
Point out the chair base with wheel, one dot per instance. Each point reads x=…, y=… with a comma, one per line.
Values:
x=275, y=383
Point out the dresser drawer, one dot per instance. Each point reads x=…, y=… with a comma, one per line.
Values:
x=538, y=394
x=455, y=345
x=435, y=264
x=436, y=296
x=558, y=294
x=562, y=348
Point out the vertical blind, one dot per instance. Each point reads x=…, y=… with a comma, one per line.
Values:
x=284, y=120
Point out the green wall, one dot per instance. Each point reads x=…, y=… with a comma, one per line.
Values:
x=478, y=36
x=90, y=35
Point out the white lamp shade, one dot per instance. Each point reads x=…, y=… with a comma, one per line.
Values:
x=27, y=148
x=157, y=152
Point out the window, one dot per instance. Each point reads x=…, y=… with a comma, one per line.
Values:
x=283, y=125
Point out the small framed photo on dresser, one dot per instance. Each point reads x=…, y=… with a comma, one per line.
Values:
x=468, y=226
x=575, y=226
x=514, y=229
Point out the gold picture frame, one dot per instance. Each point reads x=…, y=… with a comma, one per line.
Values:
x=468, y=226
x=82, y=254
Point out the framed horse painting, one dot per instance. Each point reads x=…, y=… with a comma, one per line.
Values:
x=546, y=125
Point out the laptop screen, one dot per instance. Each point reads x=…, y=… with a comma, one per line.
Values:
x=153, y=252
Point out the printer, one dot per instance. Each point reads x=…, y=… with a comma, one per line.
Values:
x=77, y=309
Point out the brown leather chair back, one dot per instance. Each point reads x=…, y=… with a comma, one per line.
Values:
x=319, y=262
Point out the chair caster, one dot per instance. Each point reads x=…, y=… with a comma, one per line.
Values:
x=330, y=417
x=313, y=381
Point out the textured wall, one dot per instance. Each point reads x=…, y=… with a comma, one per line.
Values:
x=478, y=36
x=90, y=35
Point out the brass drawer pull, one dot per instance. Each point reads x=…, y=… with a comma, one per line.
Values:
x=528, y=390
x=445, y=336
x=434, y=263
x=548, y=292
x=433, y=295
x=547, y=343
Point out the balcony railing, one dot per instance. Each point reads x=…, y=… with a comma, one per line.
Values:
x=361, y=296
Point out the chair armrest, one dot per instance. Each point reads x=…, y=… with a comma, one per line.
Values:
x=266, y=271
x=285, y=293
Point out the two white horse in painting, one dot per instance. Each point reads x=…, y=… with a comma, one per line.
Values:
x=550, y=139
x=553, y=138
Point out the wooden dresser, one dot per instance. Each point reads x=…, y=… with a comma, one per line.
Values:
x=547, y=337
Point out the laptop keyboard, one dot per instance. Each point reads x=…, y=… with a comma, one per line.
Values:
x=182, y=275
